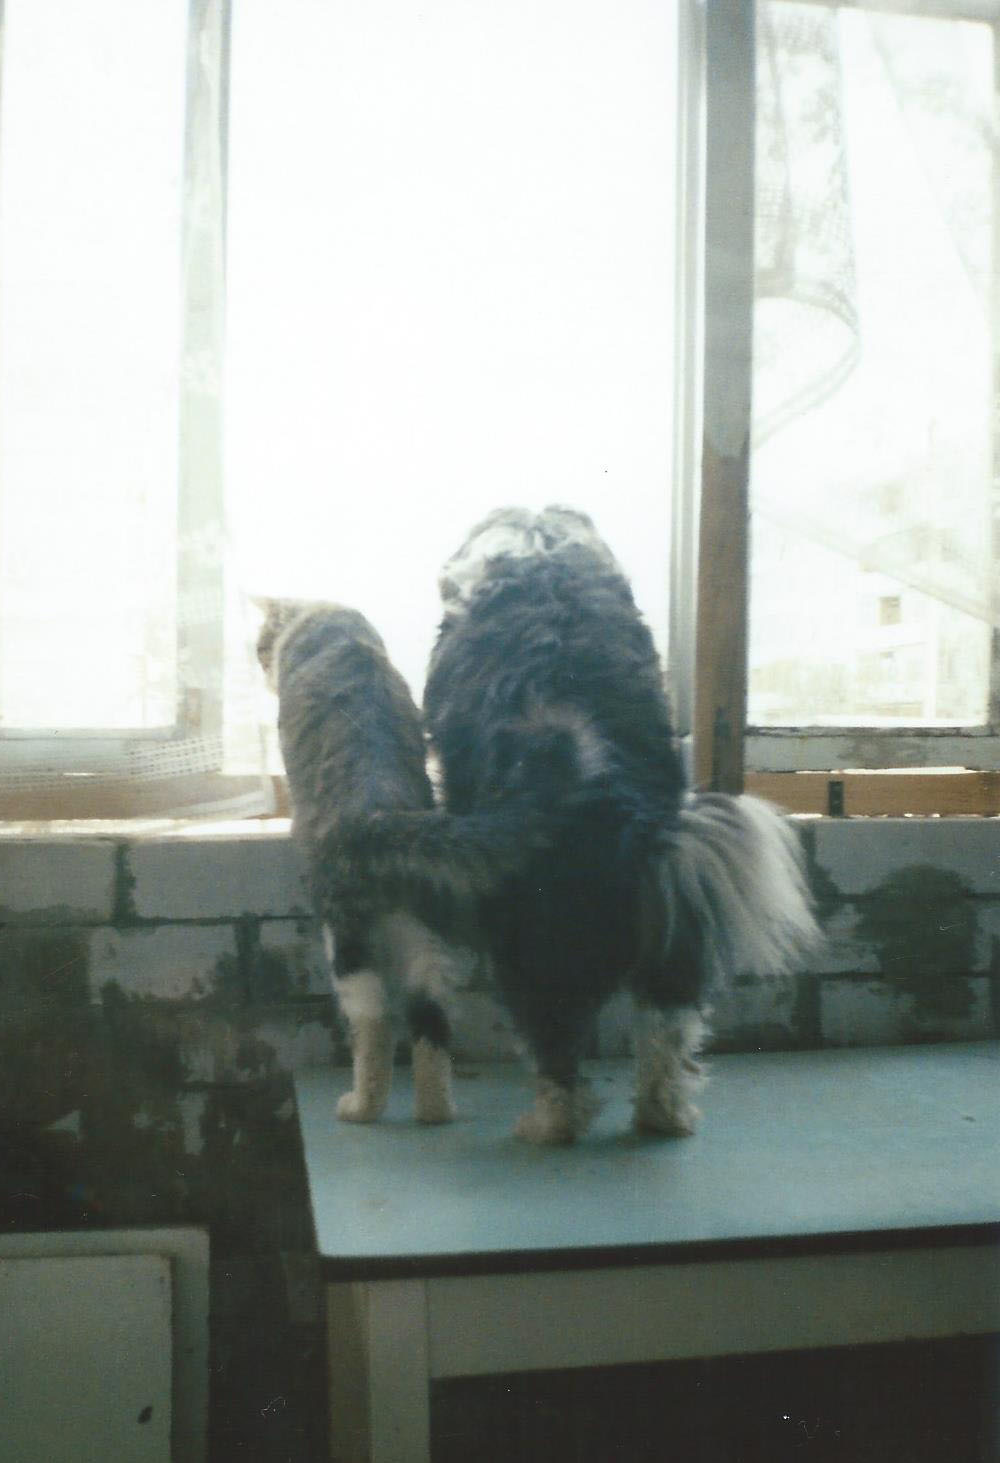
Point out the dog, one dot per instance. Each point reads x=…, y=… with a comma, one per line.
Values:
x=643, y=884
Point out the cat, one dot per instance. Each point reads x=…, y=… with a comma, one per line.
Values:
x=395, y=881
x=646, y=885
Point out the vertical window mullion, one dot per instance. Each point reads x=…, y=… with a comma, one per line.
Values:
x=723, y=537
x=688, y=347
x=200, y=617
x=993, y=704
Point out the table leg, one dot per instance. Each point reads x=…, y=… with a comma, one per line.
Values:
x=378, y=1366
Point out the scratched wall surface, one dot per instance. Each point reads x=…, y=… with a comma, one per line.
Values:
x=157, y=993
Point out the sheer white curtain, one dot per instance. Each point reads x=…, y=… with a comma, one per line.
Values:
x=875, y=573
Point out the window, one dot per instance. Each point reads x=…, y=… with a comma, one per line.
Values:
x=451, y=265
x=851, y=321
x=872, y=468
x=112, y=604
x=433, y=259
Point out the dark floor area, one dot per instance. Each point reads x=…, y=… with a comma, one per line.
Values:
x=917, y=1403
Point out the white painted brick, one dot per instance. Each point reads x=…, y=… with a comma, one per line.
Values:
x=298, y=945
x=758, y=1013
x=295, y=1041
x=873, y=1013
x=171, y=962
x=858, y=854
x=49, y=882
x=236, y=1049
x=861, y=1013
x=842, y=951
x=216, y=878
x=988, y=935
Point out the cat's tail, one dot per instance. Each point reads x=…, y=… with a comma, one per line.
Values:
x=735, y=898
x=439, y=864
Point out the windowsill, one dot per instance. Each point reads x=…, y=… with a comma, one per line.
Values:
x=58, y=830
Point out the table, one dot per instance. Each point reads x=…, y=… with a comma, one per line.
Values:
x=830, y=1198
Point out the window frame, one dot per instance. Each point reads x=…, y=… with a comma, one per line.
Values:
x=709, y=585
x=82, y=768
x=798, y=766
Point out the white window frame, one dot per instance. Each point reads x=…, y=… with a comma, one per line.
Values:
x=97, y=753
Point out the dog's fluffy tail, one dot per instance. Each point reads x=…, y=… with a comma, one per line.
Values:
x=734, y=887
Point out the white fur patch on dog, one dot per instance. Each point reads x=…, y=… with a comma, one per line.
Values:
x=432, y=1095
x=668, y=1073
x=508, y=533
x=560, y=1114
x=516, y=533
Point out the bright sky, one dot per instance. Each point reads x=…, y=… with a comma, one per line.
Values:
x=450, y=288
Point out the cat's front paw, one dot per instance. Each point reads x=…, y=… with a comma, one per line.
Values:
x=436, y=1108
x=354, y=1107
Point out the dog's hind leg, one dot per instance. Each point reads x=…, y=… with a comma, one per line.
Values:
x=564, y=1105
x=560, y=1114
x=668, y=1072
x=362, y=999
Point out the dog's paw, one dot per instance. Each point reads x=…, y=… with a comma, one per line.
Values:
x=672, y=1115
x=560, y=1114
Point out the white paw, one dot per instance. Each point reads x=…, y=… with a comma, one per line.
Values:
x=560, y=1115
x=435, y=1110
x=354, y=1107
x=677, y=1118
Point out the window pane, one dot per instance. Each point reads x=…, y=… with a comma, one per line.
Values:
x=451, y=239
x=91, y=152
x=872, y=462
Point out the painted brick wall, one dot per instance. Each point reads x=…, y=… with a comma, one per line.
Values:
x=158, y=991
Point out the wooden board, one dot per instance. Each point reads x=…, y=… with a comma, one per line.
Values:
x=919, y=792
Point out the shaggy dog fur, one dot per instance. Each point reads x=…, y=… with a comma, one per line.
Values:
x=643, y=885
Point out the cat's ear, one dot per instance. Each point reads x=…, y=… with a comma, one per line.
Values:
x=268, y=634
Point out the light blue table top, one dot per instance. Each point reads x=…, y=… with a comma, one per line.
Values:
x=792, y=1145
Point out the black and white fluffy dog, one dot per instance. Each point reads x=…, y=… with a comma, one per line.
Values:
x=645, y=885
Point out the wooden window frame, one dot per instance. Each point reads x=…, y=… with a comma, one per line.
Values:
x=950, y=771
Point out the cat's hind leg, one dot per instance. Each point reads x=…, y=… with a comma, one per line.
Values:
x=432, y=1095
x=427, y=965
x=361, y=994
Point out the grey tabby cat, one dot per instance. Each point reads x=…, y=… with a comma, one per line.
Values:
x=385, y=865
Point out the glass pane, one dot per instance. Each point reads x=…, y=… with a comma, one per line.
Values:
x=91, y=154
x=451, y=241
x=872, y=459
